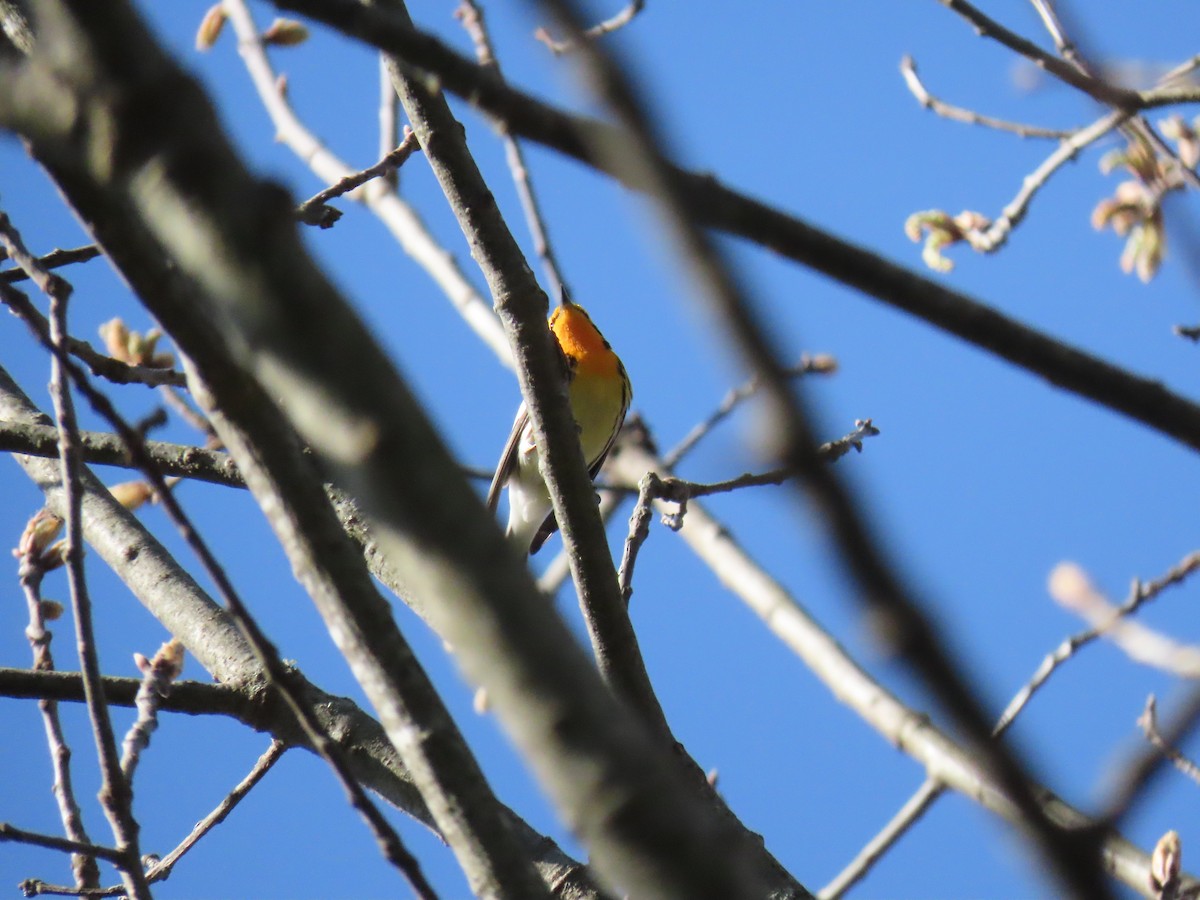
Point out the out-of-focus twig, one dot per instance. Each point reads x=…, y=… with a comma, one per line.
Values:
x=1148, y=722
x=622, y=18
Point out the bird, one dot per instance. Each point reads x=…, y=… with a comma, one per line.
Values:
x=599, y=391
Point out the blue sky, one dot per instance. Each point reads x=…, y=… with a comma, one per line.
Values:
x=982, y=479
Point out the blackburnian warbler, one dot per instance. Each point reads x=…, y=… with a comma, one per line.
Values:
x=599, y=392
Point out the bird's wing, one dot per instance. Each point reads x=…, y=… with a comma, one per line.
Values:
x=508, y=459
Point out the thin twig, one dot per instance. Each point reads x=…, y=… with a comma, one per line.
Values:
x=822, y=364
x=1133, y=784
x=36, y=556
x=620, y=20
x=313, y=211
x=471, y=15
x=874, y=849
x=653, y=488
x=1102, y=91
x=1180, y=72
x=1148, y=722
x=639, y=531
x=162, y=869
x=992, y=238
x=908, y=68
x=1142, y=592
x=53, y=260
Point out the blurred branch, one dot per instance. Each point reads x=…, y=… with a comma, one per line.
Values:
x=622, y=18
x=1148, y=722
x=716, y=206
x=1073, y=589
